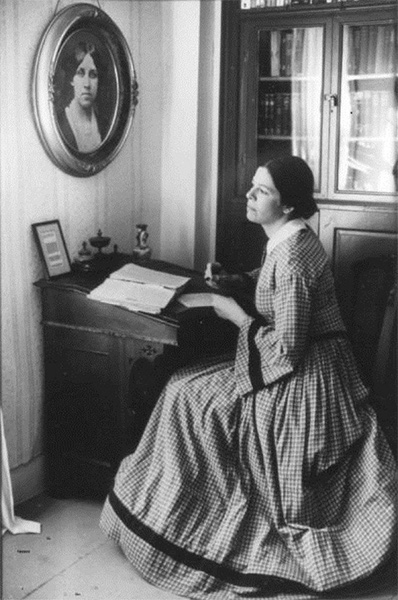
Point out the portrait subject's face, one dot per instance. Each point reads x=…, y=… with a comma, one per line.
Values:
x=85, y=82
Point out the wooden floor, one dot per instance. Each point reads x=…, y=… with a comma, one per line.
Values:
x=71, y=558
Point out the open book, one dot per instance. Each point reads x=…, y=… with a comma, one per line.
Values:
x=139, y=289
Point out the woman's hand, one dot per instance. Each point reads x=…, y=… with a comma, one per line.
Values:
x=213, y=274
x=217, y=278
x=227, y=308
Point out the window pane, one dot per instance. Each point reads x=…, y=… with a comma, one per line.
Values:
x=368, y=114
x=290, y=95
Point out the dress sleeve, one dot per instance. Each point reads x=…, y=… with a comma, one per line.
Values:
x=268, y=352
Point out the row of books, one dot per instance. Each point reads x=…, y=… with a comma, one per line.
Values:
x=364, y=105
x=371, y=49
x=248, y=4
x=274, y=114
x=286, y=49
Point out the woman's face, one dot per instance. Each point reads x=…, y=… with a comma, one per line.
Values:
x=263, y=199
x=85, y=82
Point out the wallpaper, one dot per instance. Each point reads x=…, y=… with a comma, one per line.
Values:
x=165, y=175
x=33, y=189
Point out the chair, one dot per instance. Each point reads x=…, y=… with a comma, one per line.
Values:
x=373, y=334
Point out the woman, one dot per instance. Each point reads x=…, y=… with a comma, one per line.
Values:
x=79, y=121
x=269, y=473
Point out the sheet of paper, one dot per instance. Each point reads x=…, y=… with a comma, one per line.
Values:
x=136, y=273
x=134, y=296
x=196, y=300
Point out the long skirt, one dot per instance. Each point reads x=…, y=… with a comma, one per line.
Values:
x=289, y=490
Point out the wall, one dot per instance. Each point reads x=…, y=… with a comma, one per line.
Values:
x=165, y=175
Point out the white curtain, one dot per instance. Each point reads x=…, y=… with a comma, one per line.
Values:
x=9, y=522
x=307, y=67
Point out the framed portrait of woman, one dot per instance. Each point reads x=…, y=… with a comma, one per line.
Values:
x=85, y=89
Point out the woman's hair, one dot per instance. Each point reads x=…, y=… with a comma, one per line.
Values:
x=73, y=56
x=294, y=181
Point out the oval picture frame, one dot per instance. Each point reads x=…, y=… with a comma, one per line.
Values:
x=57, y=96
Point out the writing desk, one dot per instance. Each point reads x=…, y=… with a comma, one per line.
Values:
x=104, y=369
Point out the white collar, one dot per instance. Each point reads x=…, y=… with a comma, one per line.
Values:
x=284, y=232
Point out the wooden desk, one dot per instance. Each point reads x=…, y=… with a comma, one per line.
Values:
x=104, y=369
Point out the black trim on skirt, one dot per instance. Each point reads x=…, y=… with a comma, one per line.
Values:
x=197, y=562
x=255, y=374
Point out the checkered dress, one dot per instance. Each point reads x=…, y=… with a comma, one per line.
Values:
x=269, y=474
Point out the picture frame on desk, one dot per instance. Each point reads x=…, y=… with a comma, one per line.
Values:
x=52, y=248
x=83, y=73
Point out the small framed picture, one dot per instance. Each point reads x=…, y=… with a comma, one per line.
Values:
x=53, y=251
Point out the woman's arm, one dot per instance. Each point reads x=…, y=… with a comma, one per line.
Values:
x=268, y=352
x=239, y=286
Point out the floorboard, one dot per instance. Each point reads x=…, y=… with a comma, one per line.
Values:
x=72, y=559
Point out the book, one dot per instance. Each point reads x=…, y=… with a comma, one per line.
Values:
x=364, y=48
x=379, y=52
x=354, y=50
x=270, y=114
x=275, y=53
x=390, y=50
x=140, y=289
x=356, y=98
x=278, y=113
x=372, y=49
x=286, y=116
x=286, y=49
x=298, y=51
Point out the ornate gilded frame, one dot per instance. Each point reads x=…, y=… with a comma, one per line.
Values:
x=120, y=96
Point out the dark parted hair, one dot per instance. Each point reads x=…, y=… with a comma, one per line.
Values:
x=77, y=54
x=69, y=63
x=294, y=181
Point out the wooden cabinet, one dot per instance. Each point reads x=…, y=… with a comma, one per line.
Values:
x=351, y=236
x=317, y=81
x=104, y=369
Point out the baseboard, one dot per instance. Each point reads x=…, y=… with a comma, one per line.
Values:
x=28, y=480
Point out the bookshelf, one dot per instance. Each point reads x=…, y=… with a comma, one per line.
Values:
x=315, y=79
x=272, y=4
x=314, y=102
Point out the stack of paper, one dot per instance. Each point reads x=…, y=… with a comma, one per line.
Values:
x=139, y=289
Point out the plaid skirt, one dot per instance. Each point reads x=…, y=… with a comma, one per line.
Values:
x=287, y=491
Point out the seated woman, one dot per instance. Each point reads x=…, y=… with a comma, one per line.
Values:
x=269, y=473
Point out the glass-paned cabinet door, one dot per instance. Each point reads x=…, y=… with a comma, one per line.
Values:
x=367, y=146
x=290, y=82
